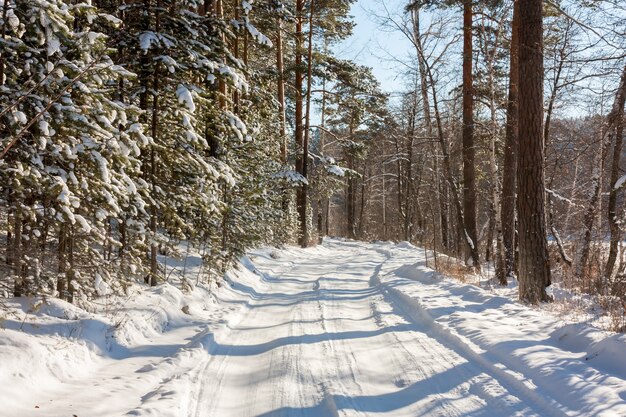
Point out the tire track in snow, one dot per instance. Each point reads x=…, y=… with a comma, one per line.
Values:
x=412, y=309
x=318, y=354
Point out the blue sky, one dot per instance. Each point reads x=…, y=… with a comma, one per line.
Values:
x=373, y=46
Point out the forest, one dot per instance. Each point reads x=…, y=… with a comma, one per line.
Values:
x=128, y=127
x=312, y=208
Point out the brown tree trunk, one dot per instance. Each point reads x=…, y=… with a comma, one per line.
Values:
x=613, y=193
x=469, y=174
x=301, y=194
x=281, y=90
x=322, y=200
x=350, y=194
x=304, y=242
x=70, y=263
x=18, y=285
x=3, y=34
x=506, y=265
x=534, y=262
x=62, y=262
x=219, y=11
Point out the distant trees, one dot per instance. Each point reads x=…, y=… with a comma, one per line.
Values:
x=425, y=152
x=127, y=127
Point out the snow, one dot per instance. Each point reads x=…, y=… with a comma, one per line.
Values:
x=102, y=166
x=44, y=128
x=343, y=329
x=336, y=170
x=184, y=97
x=146, y=39
x=619, y=182
x=20, y=117
x=292, y=177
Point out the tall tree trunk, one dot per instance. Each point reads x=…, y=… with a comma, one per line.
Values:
x=235, y=48
x=534, y=262
x=447, y=169
x=321, y=202
x=469, y=170
x=153, y=162
x=494, y=207
x=384, y=192
x=554, y=89
x=301, y=194
x=506, y=264
x=350, y=194
x=219, y=11
x=281, y=90
x=439, y=186
x=304, y=242
x=613, y=193
x=364, y=181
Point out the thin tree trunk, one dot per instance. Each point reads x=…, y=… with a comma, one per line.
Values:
x=281, y=90
x=62, y=262
x=350, y=197
x=301, y=197
x=321, y=202
x=304, y=242
x=384, y=192
x=506, y=264
x=3, y=35
x=153, y=168
x=443, y=215
x=219, y=11
x=613, y=193
x=17, y=252
x=469, y=174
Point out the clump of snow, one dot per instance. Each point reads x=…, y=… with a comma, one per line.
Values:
x=292, y=177
x=184, y=97
x=336, y=170
x=620, y=182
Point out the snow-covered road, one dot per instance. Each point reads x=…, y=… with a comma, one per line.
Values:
x=325, y=337
x=347, y=329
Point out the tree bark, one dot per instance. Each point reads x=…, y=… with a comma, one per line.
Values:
x=469, y=174
x=534, y=262
x=506, y=264
x=613, y=193
x=281, y=90
x=301, y=194
x=304, y=242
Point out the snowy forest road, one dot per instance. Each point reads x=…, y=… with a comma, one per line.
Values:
x=325, y=337
x=342, y=329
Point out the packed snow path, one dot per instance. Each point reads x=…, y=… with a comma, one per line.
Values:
x=342, y=329
x=325, y=337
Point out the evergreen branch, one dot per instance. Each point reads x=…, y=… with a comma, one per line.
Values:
x=48, y=106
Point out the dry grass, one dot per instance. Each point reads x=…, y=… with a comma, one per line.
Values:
x=452, y=267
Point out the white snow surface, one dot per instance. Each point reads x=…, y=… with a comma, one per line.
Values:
x=342, y=329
